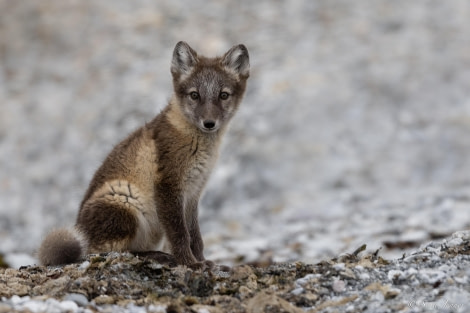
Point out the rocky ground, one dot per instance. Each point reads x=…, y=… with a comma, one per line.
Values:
x=435, y=278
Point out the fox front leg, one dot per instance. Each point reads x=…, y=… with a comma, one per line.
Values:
x=170, y=211
x=197, y=245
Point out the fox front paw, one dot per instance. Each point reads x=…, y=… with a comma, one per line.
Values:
x=205, y=265
x=159, y=256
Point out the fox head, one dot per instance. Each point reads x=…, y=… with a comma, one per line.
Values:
x=209, y=90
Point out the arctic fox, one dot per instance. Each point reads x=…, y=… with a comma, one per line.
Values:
x=145, y=195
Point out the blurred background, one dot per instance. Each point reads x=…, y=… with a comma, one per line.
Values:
x=355, y=127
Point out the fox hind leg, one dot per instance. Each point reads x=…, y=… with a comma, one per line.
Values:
x=108, y=226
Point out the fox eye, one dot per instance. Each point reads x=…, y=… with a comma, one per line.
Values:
x=224, y=95
x=194, y=95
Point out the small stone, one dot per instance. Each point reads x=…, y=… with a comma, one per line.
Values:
x=306, y=279
x=338, y=285
x=104, y=299
x=84, y=265
x=383, y=291
x=52, y=287
x=245, y=292
x=364, y=276
x=264, y=302
x=15, y=300
x=297, y=291
x=157, y=308
x=348, y=273
x=18, y=289
x=4, y=308
x=461, y=280
x=454, y=242
x=78, y=298
x=339, y=266
x=391, y=293
x=431, y=276
x=68, y=306
x=241, y=272
x=395, y=275
x=199, y=308
x=463, y=234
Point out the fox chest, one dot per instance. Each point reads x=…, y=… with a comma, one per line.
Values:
x=197, y=173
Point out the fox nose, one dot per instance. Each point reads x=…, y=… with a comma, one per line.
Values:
x=209, y=124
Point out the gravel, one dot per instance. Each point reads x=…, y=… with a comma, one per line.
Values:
x=434, y=278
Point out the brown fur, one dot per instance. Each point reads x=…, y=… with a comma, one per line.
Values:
x=60, y=247
x=145, y=195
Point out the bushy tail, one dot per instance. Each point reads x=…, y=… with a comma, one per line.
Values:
x=62, y=246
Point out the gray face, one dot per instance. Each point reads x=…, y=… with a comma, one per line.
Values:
x=209, y=90
x=209, y=99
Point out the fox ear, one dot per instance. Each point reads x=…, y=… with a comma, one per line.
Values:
x=237, y=60
x=184, y=59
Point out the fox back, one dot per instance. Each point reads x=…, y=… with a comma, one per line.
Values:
x=145, y=195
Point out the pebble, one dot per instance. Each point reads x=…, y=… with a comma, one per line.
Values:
x=395, y=275
x=4, y=308
x=306, y=279
x=338, y=285
x=454, y=242
x=297, y=291
x=364, y=276
x=157, y=308
x=339, y=266
x=431, y=276
x=78, y=298
x=84, y=265
x=68, y=305
x=462, y=280
x=104, y=299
